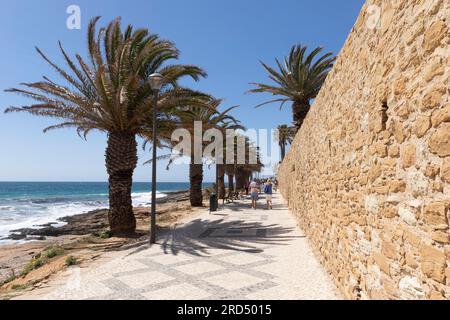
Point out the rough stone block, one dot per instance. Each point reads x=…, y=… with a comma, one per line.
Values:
x=439, y=142
x=435, y=215
x=421, y=126
x=396, y=186
x=431, y=171
x=381, y=261
x=408, y=155
x=412, y=287
x=433, y=98
x=441, y=237
x=433, y=263
x=434, y=35
x=436, y=295
x=441, y=116
x=389, y=250
x=445, y=170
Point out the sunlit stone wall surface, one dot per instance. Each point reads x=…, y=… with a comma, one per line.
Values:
x=368, y=176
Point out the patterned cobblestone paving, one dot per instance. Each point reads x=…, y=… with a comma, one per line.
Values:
x=238, y=253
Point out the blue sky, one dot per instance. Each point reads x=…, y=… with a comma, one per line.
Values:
x=227, y=38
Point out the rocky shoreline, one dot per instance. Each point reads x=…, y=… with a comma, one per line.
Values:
x=85, y=223
x=83, y=233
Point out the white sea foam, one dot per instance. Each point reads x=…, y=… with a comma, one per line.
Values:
x=143, y=199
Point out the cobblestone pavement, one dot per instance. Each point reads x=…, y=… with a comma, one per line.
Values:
x=237, y=253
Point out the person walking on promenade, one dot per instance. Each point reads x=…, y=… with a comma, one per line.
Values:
x=268, y=191
x=254, y=193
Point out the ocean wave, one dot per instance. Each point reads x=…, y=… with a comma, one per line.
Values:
x=32, y=214
x=142, y=199
x=51, y=200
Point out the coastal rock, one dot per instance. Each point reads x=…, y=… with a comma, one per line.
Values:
x=82, y=224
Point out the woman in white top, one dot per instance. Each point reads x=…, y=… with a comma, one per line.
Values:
x=254, y=193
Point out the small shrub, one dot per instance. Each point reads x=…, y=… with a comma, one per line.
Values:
x=19, y=286
x=106, y=234
x=71, y=260
x=34, y=264
x=41, y=258
x=53, y=251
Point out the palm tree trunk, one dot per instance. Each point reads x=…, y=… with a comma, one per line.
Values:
x=283, y=150
x=221, y=180
x=300, y=110
x=230, y=182
x=121, y=160
x=196, y=181
x=240, y=179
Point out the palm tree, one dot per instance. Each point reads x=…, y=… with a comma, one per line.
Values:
x=285, y=136
x=228, y=167
x=238, y=173
x=221, y=169
x=245, y=170
x=110, y=93
x=210, y=117
x=221, y=180
x=299, y=80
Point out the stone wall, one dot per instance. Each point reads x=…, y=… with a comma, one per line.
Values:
x=368, y=175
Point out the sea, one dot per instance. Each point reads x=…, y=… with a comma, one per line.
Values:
x=34, y=204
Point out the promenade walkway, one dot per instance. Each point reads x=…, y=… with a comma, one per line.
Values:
x=236, y=253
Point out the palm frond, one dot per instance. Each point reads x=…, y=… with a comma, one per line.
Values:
x=108, y=90
x=299, y=79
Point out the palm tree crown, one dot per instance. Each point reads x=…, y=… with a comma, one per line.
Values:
x=207, y=112
x=298, y=80
x=285, y=136
x=110, y=92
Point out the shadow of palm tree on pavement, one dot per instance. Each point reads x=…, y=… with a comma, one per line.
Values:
x=200, y=236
